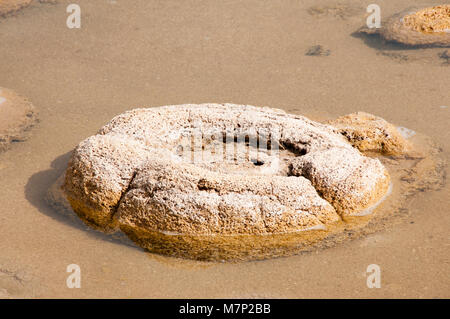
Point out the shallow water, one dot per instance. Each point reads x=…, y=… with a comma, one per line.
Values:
x=149, y=53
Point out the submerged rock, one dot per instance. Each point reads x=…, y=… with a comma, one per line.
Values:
x=11, y=6
x=426, y=27
x=368, y=132
x=17, y=117
x=210, y=179
x=445, y=56
x=318, y=50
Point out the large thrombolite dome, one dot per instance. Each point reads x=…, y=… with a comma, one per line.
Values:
x=224, y=181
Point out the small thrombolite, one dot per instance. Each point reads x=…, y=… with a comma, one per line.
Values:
x=17, y=117
x=225, y=181
x=11, y=6
x=417, y=27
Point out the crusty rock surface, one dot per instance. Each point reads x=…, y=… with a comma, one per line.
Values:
x=100, y=170
x=417, y=27
x=368, y=132
x=185, y=199
x=17, y=117
x=358, y=183
x=131, y=175
x=434, y=19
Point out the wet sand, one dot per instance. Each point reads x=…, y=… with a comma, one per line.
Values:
x=141, y=53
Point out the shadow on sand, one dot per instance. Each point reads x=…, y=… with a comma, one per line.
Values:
x=375, y=41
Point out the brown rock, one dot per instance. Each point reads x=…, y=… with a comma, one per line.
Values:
x=435, y=19
x=10, y=7
x=370, y=133
x=167, y=178
x=100, y=170
x=348, y=180
x=185, y=199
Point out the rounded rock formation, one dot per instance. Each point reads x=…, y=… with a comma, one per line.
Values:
x=370, y=133
x=211, y=179
x=424, y=27
x=17, y=117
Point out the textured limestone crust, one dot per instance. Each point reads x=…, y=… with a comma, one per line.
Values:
x=434, y=19
x=370, y=133
x=17, y=117
x=349, y=183
x=429, y=27
x=130, y=175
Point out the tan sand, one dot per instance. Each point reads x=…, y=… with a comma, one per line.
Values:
x=250, y=52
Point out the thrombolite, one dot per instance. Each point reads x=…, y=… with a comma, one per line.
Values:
x=11, y=7
x=165, y=177
x=17, y=117
x=416, y=27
